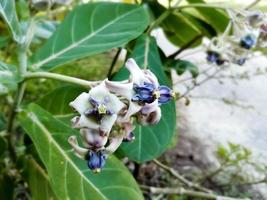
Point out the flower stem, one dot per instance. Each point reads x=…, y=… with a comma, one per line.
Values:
x=60, y=77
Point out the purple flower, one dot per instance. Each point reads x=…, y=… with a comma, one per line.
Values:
x=241, y=61
x=248, y=41
x=96, y=160
x=215, y=57
x=148, y=93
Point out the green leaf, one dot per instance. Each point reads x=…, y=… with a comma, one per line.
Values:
x=181, y=66
x=8, y=78
x=8, y=12
x=90, y=29
x=218, y=19
x=69, y=176
x=3, y=145
x=38, y=181
x=2, y=122
x=151, y=141
x=178, y=28
x=7, y=186
x=57, y=101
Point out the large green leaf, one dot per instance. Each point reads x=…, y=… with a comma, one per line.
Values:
x=90, y=29
x=178, y=28
x=57, y=101
x=8, y=12
x=38, y=181
x=69, y=176
x=8, y=78
x=151, y=141
x=218, y=19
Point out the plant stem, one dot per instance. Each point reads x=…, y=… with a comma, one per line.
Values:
x=160, y=19
x=19, y=96
x=182, y=191
x=68, y=79
x=181, y=178
x=114, y=61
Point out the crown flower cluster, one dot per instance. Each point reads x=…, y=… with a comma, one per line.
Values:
x=107, y=112
x=246, y=32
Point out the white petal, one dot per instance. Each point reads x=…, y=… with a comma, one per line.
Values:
x=151, y=77
x=114, y=144
x=151, y=118
x=92, y=138
x=133, y=109
x=107, y=123
x=81, y=103
x=122, y=89
x=150, y=107
x=101, y=92
x=84, y=122
x=137, y=74
x=79, y=151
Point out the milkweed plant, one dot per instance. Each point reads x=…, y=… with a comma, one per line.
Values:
x=71, y=142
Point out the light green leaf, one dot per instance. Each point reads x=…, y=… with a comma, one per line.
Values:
x=8, y=12
x=8, y=79
x=181, y=66
x=69, y=176
x=90, y=29
x=218, y=19
x=38, y=181
x=151, y=141
x=178, y=28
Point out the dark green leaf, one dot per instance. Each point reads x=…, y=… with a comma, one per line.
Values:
x=7, y=186
x=69, y=176
x=181, y=66
x=218, y=19
x=38, y=181
x=3, y=145
x=151, y=141
x=2, y=122
x=8, y=79
x=8, y=12
x=90, y=29
x=178, y=28
x=57, y=101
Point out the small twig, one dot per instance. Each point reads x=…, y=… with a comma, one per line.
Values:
x=199, y=83
x=185, y=46
x=185, y=192
x=254, y=3
x=181, y=178
x=192, y=78
x=114, y=61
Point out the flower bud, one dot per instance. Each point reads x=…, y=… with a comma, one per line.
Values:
x=96, y=160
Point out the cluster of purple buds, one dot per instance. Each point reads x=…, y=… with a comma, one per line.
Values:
x=249, y=31
x=108, y=110
x=215, y=57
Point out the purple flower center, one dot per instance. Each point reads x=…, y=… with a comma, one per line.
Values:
x=99, y=109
